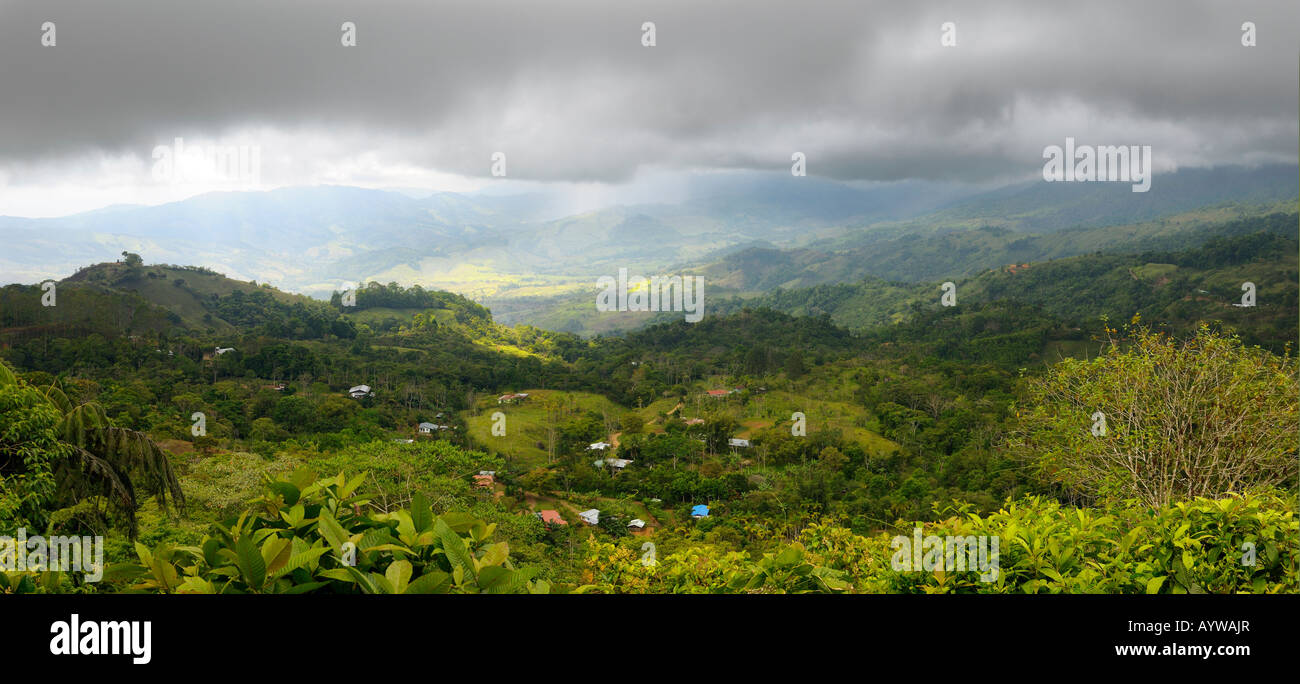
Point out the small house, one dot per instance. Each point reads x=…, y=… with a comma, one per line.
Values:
x=427, y=428
x=551, y=517
x=738, y=443
x=590, y=516
x=360, y=391
x=699, y=511
x=484, y=481
x=217, y=351
x=599, y=446
x=636, y=523
x=718, y=393
x=694, y=421
x=617, y=463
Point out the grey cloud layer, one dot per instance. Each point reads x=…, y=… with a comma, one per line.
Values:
x=569, y=93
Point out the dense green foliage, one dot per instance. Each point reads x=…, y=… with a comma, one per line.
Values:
x=811, y=444
x=1190, y=547
x=1159, y=421
x=393, y=296
x=55, y=454
x=306, y=535
x=1172, y=289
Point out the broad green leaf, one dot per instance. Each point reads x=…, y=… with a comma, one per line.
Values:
x=494, y=579
x=454, y=547
x=251, y=565
x=300, y=560
x=421, y=512
x=331, y=530
x=497, y=554
x=398, y=575
x=275, y=553
x=286, y=490
x=431, y=582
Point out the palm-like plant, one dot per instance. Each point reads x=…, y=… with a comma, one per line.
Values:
x=78, y=450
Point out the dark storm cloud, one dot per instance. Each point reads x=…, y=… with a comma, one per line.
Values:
x=569, y=93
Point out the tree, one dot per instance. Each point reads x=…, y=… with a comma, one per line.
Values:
x=294, y=413
x=1162, y=421
x=832, y=460
x=632, y=423
x=717, y=430
x=615, y=525
x=45, y=440
x=540, y=480
x=794, y=367
x=29, y=449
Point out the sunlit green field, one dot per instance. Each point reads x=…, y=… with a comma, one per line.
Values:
x=528, y=423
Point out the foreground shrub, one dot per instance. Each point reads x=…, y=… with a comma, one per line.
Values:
x=306, y=535
x=1203, y=417
x=1238, y=544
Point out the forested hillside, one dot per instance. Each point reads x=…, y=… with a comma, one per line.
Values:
x=906, y=256
x=1167, y=287
x=776, y=446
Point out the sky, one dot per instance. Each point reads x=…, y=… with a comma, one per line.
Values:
x=572, y=97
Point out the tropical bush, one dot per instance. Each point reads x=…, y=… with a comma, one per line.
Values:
x=436, y=468
x=1238, y=544
x=620, y=569
x=307, y=535
x=56, y=453
x=1161, y=421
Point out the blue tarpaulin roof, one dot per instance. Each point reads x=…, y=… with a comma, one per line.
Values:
x=700, y=509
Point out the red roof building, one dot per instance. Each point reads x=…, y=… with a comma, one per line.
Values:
x=551, y=517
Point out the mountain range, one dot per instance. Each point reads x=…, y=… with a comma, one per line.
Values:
x=530, y=261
